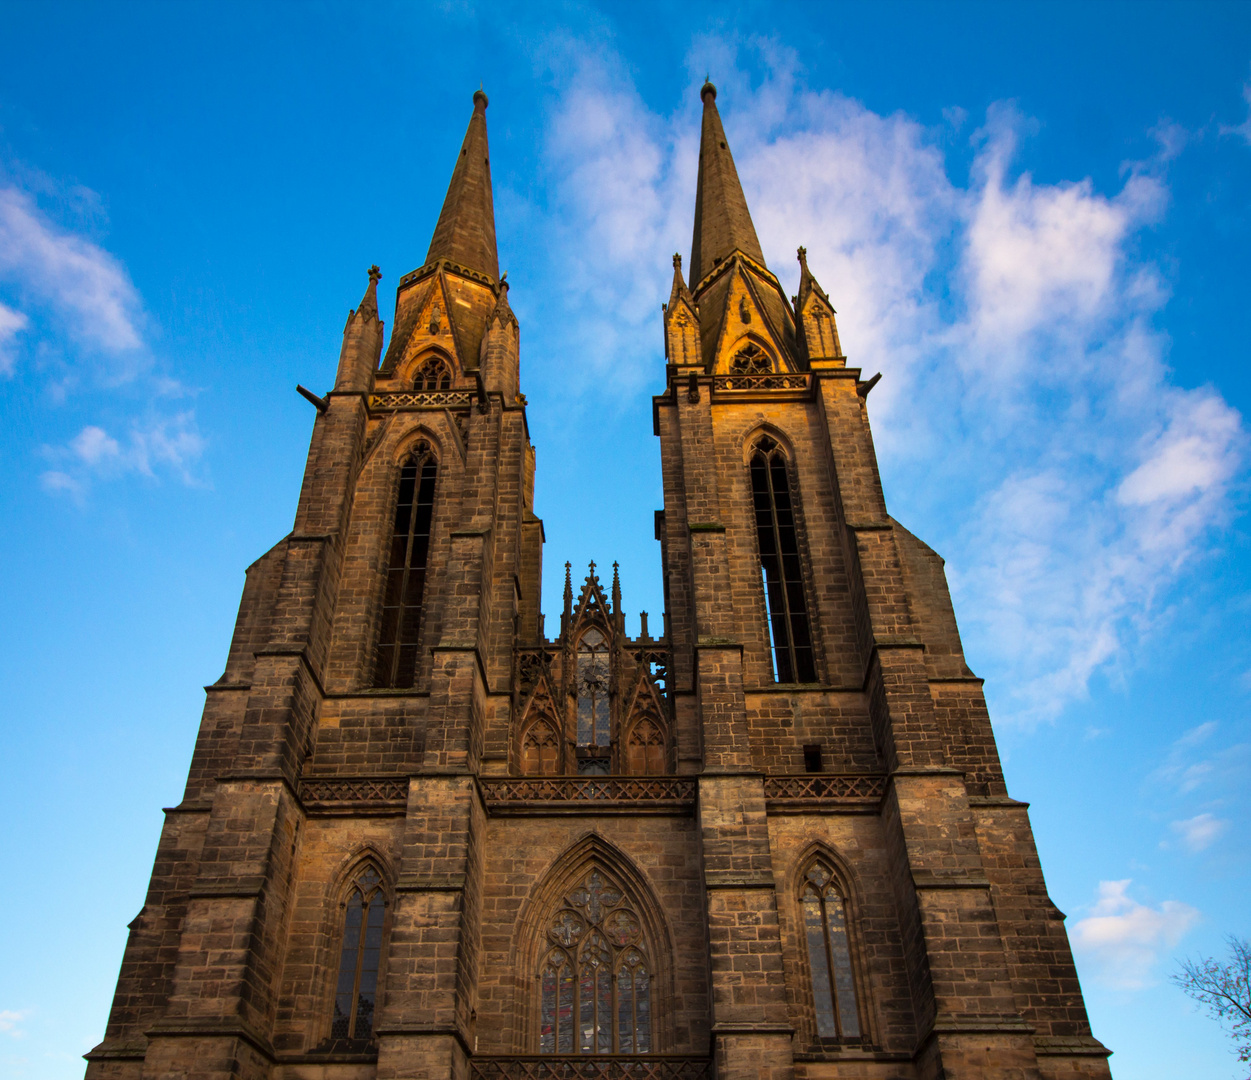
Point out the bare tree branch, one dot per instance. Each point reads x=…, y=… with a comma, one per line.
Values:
x=1224, y=989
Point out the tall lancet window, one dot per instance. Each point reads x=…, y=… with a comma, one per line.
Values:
x=595, y=989
x=594, y=713
x=790, y=638
x=406, y=570
x=357, y=989
x=829, y=955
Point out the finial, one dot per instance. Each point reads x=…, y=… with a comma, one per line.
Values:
x=375, y=275
x=677, y=261
x=480, y=101
x=802, y=252
x=707, y=90
x=592, y=564
x=504, y=280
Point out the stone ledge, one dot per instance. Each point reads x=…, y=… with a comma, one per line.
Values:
x=956, y=879
x=430, y=883
x=1069, y=1045
x=737, y=879
x=239, y=888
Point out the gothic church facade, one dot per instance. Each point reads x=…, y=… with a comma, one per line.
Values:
x=423, y=837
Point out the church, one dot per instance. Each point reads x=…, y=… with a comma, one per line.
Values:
x=430, y=833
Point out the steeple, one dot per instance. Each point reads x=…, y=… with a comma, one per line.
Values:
x=465, y=233
x=722, y=221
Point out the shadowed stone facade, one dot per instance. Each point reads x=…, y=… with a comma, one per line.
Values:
x=421, y=838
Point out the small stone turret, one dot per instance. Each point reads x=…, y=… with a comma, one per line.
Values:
x=362, y=342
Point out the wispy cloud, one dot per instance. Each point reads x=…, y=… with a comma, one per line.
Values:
x=10, y=1021
x=12, y=323
x=1198, y=833
x=1027, y=412
x=81, y=285
x=65, y=290
x=1243, y=129
x=1123, y=939
x=169, y=444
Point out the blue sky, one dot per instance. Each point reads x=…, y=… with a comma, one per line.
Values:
x=1033, y=219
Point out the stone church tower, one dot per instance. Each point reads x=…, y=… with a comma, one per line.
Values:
x=425, y=836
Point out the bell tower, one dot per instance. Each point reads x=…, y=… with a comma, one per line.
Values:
x=816, y=659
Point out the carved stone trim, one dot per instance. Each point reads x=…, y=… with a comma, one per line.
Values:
x=599, y=794
x=590, y=1067
x=421, y=399
x=819, y=791
x=774, y=380
x=341, y=793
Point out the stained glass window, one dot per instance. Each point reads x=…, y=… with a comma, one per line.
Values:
x=594, y=723
x=406, y=570
x=790, y=639
x=829, y=956
x=595, y=982
x=357, y=989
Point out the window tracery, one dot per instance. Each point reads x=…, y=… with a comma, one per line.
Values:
x=645, y=748
x=540, y=750
x=594, y=713
x=595, y=992
x=434, y=374
x=405, y=585
x=359, y=955
x=751, y=360
x=829, y=954
x=790, y=637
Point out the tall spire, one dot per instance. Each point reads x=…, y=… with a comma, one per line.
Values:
x=465, y=233
x=722, y=221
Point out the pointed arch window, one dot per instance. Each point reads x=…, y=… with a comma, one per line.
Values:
x=434, y=374
x=405, y=587
x=790, y=638
x=594, y=713
x=645, y=748
x=595, y=980
x=356, y=991
x=540, y=750
x=751, y=360
x=829, y=955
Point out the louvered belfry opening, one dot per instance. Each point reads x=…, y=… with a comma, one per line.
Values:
x=787, y=608
x=406, y=570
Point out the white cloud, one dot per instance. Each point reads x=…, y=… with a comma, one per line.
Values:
x=84, y=287
x=12, y=323
x=1123, y=939
x=1243, y=129
x=170, y=444
x=10, y=1019
x=1027, y=413
x=1200, y=832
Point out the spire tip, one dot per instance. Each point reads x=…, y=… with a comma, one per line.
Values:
x=706, y=91
x=480, y=100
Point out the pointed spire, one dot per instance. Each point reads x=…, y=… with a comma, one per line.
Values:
x=819, y=328
x=722, y=221
x=616, y=591
x=568, y=589
x=362, y=341
x=679, y=290
x=465, y=233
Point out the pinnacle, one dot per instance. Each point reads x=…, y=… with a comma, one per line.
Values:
x=369, y=302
